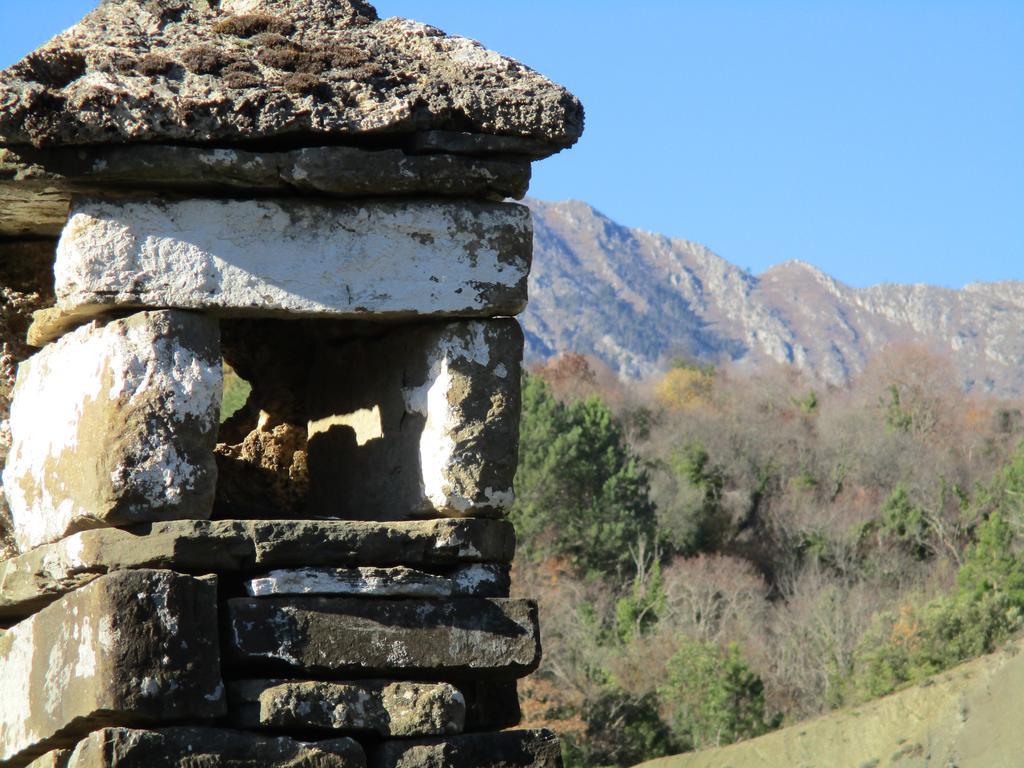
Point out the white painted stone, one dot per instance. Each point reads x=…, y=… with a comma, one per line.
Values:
x=264, y=257
x=135, y=645
x=481, y=579
x=369, y=582
x=115, y=425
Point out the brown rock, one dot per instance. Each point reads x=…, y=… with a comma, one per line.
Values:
x=175, y=71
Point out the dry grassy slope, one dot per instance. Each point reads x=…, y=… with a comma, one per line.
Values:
x=970, y=717
x=636, y=299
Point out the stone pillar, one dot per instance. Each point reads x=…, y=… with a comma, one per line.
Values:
x=319, y=198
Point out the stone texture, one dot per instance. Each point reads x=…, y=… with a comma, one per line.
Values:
x=311, y=71
x=481, y=580
x=475, y=580
x=37, y=578
x=26, y=285
x=398, y=581
x=380, y=707
x=298, y=257
x=140, y=398
x=185, y=747
x=336, y=637
x=132, y=647
x=58, y=758
x=36, y=186
x=508, y=749
x=429, y=428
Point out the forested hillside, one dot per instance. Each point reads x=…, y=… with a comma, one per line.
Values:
x=719, y=552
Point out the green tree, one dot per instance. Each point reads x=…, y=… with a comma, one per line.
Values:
x=919, y=642
x=986, y=609
x=712, y=697
x=906, y=522
x=580, y=491
x=694, y=519
x=639, y=611
x=622, y=729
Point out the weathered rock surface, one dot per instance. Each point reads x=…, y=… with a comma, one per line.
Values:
x=38, y=577
x=381, y=707
x=36, y=186
x=190, y=747
x=241, y=70
x=335, y=637
x=481, y=580
x=26, y=285
x=476, y=580
x=398, y=581
x=265, y=473
x=115, y=425
x=508, y=749
x=132, y=647
x=296, y=257
x=429, y=428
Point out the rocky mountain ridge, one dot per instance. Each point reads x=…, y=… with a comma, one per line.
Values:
x=636, y=300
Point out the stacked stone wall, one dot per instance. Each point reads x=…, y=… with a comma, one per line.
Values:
x=323, y=579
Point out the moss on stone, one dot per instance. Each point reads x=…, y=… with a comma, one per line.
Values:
x=250, y=24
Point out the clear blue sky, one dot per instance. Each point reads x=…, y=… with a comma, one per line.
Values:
x=881, y=140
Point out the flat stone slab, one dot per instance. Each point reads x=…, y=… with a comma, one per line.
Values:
x=37, y=186
x=297, y=258
x=115, y=424
x=370, y=706
x=507, y=749
x=477, y=580
x=192, y=747
x=429, y=428
x=134, y=646
x=398, y=581
x=309, y=71
x=324, y=638
x=40, y=576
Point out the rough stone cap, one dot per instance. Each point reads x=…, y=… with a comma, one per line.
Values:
x=305, y=72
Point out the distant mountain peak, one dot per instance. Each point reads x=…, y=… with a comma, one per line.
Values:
x=637, y=300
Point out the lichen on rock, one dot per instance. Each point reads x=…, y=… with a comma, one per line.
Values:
x=313, y=72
